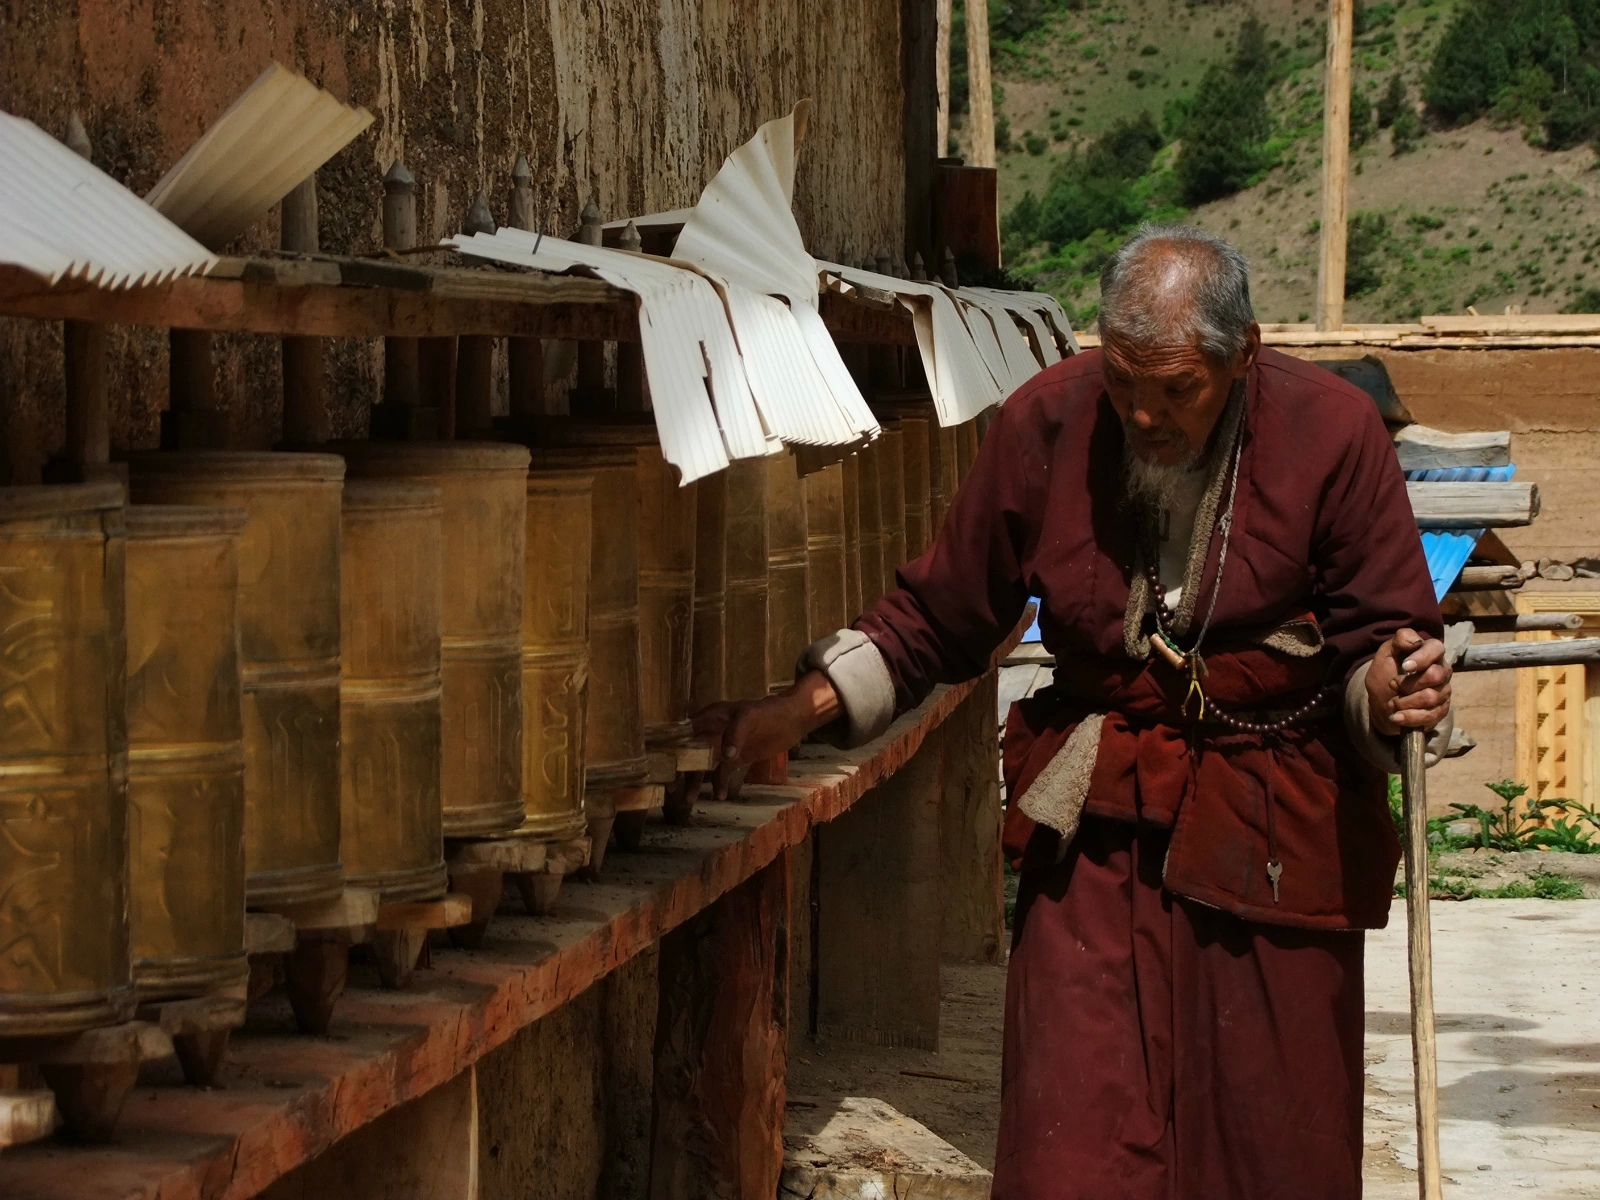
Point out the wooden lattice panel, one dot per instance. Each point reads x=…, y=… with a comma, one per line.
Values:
x=1558, y=710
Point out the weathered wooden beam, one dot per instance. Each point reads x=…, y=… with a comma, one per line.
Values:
x=722, y=1044
x=1473, y=505
x=1487, y=579
x=1558, y=652
x=1420, y=448
x=1519, y=622
x=980, y=87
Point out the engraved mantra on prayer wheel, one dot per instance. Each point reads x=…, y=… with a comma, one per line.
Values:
x=708, y=648
x=555, y=651
x=826, y=606
x=483, y=497
x=851, y=468
x=185, y=750
x=390, y=598
x=746, y=655
x=892, y=503
x=613, y=745
x=289, y=646
x=788, y=621
x=665, y=545
x=63, y=761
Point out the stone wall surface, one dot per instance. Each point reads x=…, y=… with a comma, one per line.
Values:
x=633, y=102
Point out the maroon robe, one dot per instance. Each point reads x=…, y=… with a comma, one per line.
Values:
x=1172, y=1025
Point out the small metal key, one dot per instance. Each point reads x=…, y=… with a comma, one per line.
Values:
x=1274, y=873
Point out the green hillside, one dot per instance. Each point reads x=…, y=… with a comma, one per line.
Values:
x=1114, y=111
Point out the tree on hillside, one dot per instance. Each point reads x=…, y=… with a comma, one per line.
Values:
x=1362, y=126
x=1392, y=101
x=1092, y=188
x=1529, y=62
x=1228, y=124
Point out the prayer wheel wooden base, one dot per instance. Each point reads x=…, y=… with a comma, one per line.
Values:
x=708, y=667
x=289, y=649
x=63, y=761
x=482, y=487
x=942, y=455
x=390, y=752
x=185, y=751
x=825, y=551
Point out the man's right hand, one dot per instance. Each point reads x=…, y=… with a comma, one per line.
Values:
x=752, y=731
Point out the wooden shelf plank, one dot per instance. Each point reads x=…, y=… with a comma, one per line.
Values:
x=287, y=1098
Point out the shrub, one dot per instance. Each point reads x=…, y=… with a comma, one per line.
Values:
x=1392, y=101
x=1035, y=144
x=1406, y=130
x=1364, y=253
x=1226, y=130
x=1002, y=132
x=1362, y=126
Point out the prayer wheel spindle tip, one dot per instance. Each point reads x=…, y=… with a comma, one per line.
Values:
x=919, y=272
x=947, y=271
x=589, y=232
x=479, y=218
x=884, y=265
x=77, y=139
x=631, y=239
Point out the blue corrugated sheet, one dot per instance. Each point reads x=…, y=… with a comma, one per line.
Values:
x=1448, y=550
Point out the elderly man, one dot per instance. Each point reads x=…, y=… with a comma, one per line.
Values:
x=1243, y=624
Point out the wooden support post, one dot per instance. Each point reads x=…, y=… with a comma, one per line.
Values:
x=525, y=356
x=919, y=38
x=191, y=421
x=591, y=396
x=86, y=452
x=971, y=862
x=877, y=947
x=305, y=409
x=1335, y=166
x=400, y=416
x=566, y=1103
x=980, y=89
x=632, y=390
x=426, y=1149
x=722, y=1042
x=475, y=353
x=945, y=11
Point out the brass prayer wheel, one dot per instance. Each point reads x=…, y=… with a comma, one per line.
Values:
x=851, y=469
x=892, y=503
x=185, y=750
x=63, y=761
x=555, y=651
x=870, y=513
x=390, y=754
x=788, y=621
x=914, y=445
x=289, y=650
x=746, y=654
x=665, y=542
x=483, y=498
x=827, y=608
x=917, y=404
x=708, y=660
x=613, y=738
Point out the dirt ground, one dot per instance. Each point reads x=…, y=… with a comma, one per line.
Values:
x=1520, y=1101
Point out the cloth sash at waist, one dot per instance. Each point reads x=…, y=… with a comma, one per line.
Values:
x=1109, y=739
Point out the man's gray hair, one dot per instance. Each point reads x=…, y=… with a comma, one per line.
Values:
x=1170, y=285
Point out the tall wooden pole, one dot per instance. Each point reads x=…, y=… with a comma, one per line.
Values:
x=305, y=410
x=1335, y=166
x=942, y=74
x=1424, y=1055
x=980, y=91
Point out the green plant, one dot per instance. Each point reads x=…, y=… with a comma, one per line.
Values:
x=1226, y=134
x=1422, y=222
x=1362, y=125
x=1035, y=144
x=1405, y=131
x=1365, y=252
x=1392, y=101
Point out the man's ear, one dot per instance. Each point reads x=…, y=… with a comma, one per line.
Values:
x=1247, y=357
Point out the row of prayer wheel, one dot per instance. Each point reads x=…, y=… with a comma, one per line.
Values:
x=277, y=674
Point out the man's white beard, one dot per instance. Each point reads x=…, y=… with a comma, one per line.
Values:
x=1154, y=484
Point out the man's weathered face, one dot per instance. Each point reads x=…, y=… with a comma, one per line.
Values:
x=1170, y=397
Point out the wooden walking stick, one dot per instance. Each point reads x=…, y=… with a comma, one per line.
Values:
x=1424, y=1060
